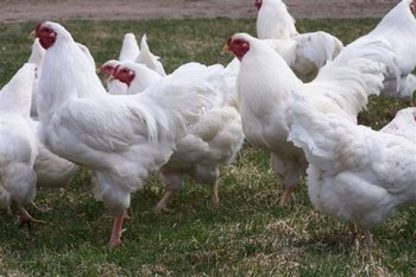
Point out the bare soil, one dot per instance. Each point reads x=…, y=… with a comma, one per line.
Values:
x=36, y=10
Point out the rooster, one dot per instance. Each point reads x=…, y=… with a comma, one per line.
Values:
x=120, y=138
x=304, y=53
x=355, y=174
x=212, y=141
x=18, y=144
x=265, y=85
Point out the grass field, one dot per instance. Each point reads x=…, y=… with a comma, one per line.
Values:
x=247, y=235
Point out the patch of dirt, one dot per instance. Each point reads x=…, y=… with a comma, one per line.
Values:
x=37, y=10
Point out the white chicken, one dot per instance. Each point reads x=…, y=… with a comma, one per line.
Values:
x=120, y=138
x=305, y=53
x=355, y=174
x=265, y=84
x=18, y=144
x=398, y=29
x=212, y=141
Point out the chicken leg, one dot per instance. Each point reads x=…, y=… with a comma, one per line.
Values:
x=285, y=196
x=214, y=194
x=161, y=206
x=26, y=219
x=115, y=239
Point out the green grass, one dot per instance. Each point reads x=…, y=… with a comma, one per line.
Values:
x=247, y=235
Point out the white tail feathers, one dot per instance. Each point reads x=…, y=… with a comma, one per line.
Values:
x=315, y=132
x=174, y=105
x=147, y=58
x=129, y=49
x=355, y=74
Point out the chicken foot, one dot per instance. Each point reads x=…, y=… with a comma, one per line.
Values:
x=115, y=239
x=26, y=219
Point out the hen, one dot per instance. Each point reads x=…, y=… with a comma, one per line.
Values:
x=355, y=174
x=120, y=138
x=18, y=144
x=212, y=141
x=304, y=53
x=265, y=84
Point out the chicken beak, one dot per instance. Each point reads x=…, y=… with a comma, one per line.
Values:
x=110, y=79
x=226, y=49
x=98, y=70
x=32, y=34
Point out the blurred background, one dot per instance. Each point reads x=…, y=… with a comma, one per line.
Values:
x=23, y=10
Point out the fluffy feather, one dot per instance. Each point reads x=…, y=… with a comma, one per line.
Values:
x=129, y=49
x=397, y=29
x=265, y=85
x=17, y=143
x=211, y=141
x=147, y=58
x=119, y=138
x=304, y=53
x=356, y=174
x=403, y=124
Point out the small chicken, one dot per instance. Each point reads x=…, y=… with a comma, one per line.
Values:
x=18, y=144
x=355, y=174
x=304, y=53
x=120, y=138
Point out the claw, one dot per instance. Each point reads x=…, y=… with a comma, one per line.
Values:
x=26, y=219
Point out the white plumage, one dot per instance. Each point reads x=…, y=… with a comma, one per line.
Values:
x=210, y=142
x=149, y=59
x=129, y=48
x=403, y=124
x=265, y=85
x=304, y=53
x=355, y=174
x=398, y=29
x=119, y=138
x=18, y=144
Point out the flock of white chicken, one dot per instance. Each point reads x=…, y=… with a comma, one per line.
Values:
x=297, y=95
